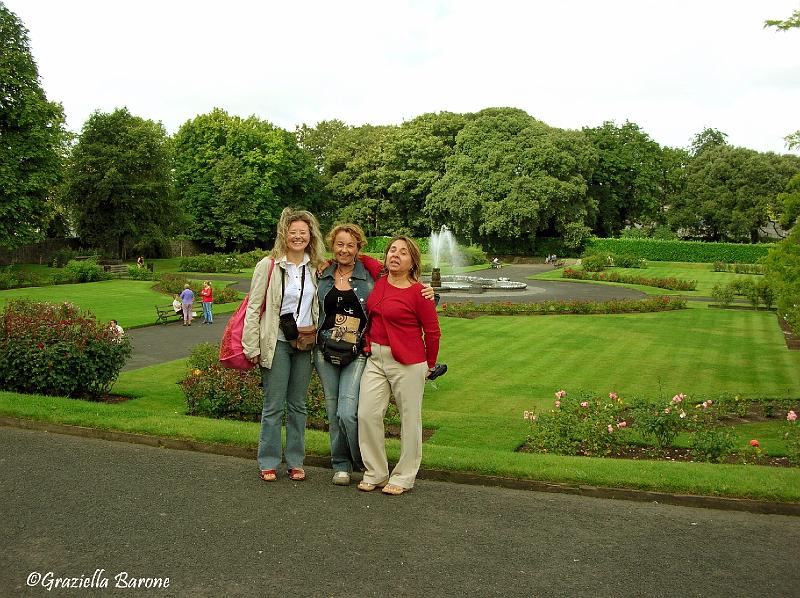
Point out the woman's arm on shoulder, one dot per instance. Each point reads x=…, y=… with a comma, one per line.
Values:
x=373, y=266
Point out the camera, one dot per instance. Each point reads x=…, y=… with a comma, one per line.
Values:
x=438, y=370
x=289, y=326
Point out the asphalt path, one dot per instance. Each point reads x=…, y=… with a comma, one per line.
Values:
x=71, y=506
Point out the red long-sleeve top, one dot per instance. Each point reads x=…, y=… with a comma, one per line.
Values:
x=405, y=321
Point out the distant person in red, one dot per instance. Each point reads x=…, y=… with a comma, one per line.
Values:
x=207, y=298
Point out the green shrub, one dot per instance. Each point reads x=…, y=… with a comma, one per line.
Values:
x=251, y=258
x=173, y=284
x=792, y=437
x=84, y=271
x=766, y=292
x=381, y=244
x=750, y=291
x=595, y=262
x=680, y=251
x=226, y=295
x=137, y=273
x=722, y=294
x=616, y=306
x=624, y=260
x=720, y=266
x=62, y=257
x=473, y=255
x=661, y=424
x=13, y=277
x=671, y=283
x=714, y=444
x=586, y=425
x=55, y=349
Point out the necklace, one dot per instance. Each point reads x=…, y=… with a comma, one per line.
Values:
x=341, y=275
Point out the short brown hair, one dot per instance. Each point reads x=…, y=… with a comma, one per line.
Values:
x=351, y=229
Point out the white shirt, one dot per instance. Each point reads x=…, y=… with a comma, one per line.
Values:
x=292, y=292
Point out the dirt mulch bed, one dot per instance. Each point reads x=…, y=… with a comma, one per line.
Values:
x=643, y=453
x=792, y=339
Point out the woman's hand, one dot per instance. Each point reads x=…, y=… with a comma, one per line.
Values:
x=322, y=266
x=255, y=359
x=427, y=291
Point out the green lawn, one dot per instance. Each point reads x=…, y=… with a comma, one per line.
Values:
x=130, y=302
x=500, y=366
x=703, y=273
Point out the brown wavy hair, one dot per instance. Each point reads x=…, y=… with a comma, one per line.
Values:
x=316, y=246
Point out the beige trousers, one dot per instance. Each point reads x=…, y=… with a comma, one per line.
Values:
x=383, y=378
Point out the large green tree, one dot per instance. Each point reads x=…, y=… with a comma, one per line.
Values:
x=512, y=177
x=234, y=176
x=33, y=140
x=730, y=192
x=626, y=183
x=119, y=183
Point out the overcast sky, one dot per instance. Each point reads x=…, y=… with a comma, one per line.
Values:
x=673, y=67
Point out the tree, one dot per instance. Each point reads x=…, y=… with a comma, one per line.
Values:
x=730, y=191
x=784, y=25
x=788, y=204
x=511, y=177
x=415, y=158
x=118, y=182
x=626, y=181
x=34, y=139
x=706, y=139
x=234, y=176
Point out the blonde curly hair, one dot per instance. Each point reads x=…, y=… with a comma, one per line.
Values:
x=316, y=245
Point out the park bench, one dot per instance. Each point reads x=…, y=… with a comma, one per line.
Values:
x=118, y=269
x=165, y=313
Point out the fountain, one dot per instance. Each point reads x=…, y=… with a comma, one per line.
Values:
x=443, y=245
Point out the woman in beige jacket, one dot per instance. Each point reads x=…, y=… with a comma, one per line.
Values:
x=285, y=283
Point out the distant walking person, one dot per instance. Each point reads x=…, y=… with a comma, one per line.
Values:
x=140, y=261
x=187, y=304
x=207, y=297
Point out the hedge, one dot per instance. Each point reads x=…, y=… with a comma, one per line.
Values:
x=381, y=244
x=658, y=250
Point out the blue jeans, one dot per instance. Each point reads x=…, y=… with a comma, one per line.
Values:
x=207, y=315
x=285, y=385
x=341, y=386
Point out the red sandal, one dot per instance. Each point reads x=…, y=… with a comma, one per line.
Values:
x=268, y=475
x=297, y=474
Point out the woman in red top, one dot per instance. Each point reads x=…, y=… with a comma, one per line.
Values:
x=404, y=337
x=207, y=296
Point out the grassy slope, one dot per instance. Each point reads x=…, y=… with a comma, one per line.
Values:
x=130, y=302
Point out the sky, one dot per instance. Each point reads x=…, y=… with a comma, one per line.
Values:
x=673, y=67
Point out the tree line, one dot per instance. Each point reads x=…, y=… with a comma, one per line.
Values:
x=498, y=177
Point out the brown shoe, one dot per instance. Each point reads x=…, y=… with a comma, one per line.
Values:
x=394, y=489
x=368, y=487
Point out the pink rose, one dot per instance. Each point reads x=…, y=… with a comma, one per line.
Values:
x=791, y=416
x=561, y=394
x=585, y=404
x=754, y=443
x=558, y=404
x=622, y=424
x=612, y=396
x=610, y=428
x=667, y=410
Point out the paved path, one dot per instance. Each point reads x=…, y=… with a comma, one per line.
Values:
x=158, y=344
x=73, y=505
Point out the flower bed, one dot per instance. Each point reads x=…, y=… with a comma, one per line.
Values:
x=617, y=306
x=671, y=283
x=613, y=427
